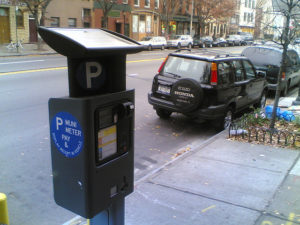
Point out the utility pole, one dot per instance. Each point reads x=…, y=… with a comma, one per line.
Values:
x=192, y=14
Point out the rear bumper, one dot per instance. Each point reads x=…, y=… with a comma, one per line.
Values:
x=209, y=113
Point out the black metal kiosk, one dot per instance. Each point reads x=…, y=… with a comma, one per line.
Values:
x=92, y=129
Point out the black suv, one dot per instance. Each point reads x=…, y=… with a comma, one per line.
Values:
x=206, y=85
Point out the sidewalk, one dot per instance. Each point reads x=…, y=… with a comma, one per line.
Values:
x=221, y=182
x=28, y=49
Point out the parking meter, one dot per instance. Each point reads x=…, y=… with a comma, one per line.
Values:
x=92, y=140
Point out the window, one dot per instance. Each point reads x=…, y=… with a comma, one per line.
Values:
x=249, y=70
x=125, y=1
x=55, y=22
x=147, y=3
x=245, y=16
x=239, y=71
x=253, y=4
x=249, y=15
x=225, y=73
x=72, y=22
x=142, y=24
x=20, y=18
x=86, y=18
x=156, y=4
x=246, y=3
x=136, y=2
x=148, y=24
x=135, y=21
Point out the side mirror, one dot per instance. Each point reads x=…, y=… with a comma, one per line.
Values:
x=261, y=74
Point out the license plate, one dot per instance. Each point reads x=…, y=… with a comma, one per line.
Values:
x=164, y=89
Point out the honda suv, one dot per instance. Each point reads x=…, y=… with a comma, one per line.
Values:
x=205, y=85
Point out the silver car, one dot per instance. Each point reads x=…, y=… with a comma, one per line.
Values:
x=180, y=41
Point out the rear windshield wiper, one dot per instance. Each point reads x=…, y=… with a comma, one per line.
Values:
x=173, y=74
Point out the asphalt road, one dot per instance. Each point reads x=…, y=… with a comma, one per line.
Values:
x=26, y=84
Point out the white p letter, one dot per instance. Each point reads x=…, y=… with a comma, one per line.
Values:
x=59, y=122
x=90, y=74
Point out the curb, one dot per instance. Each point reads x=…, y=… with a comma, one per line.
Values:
x=29, y=54
x=194, y=146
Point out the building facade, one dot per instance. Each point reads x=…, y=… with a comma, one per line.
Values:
x=15, y=22
x=69, y=13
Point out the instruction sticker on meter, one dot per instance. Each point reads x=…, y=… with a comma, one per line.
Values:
x=107, y=142
x=67, y=134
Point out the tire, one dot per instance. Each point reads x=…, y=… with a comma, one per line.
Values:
x=149, y=48
x=162, y=47
x=203, y=46
x=179, y=45
x=262, y=101
x=163, y=113
x=285, y=91
x=225, y=122
x=187, y=95
x=189, y=45
x=210, y=45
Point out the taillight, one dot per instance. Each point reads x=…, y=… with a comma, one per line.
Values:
x=162, y=65
x=283, y=76
x=214, y=74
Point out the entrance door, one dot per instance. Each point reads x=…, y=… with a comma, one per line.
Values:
x=32, y=29
x=118, y=27
x=126, y=30
x=4, y=26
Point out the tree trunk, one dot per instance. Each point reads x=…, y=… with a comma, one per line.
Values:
x=281, y=70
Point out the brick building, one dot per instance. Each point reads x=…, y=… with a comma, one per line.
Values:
x=14, y=22
x=133, y=18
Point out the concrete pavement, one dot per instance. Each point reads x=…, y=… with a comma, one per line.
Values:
x=25, y=50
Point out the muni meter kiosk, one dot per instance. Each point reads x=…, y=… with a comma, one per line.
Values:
x=92, y=129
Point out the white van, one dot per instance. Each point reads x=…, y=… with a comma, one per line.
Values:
x=154, y=42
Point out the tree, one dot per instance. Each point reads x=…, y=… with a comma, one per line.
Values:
x=290, y=10
x=169, y=9
x=38, y=10
x=207, y=10
x=106, y=6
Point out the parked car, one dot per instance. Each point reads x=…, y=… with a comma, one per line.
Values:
x=208, y=41
x=206, y=86
x=234, y=40
x=197, y=41
x=268, y=59
x=180, y=41
x=247, y=38
x=154, y=42
x=220, y=42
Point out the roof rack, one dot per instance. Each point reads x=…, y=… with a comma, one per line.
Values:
x=217, y=53
x=181, y=49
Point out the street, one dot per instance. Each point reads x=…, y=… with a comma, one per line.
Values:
x=25, y=170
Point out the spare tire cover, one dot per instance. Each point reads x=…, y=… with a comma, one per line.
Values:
x=186, y=94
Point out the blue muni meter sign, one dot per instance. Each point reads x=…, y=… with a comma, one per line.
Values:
x=67, y=134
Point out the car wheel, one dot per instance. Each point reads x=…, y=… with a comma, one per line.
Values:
x=203, y=46
x=149, y=48
x=285, y=91
x=179, y=45
x=163, y=113
x=262, y=101
x=189, y=45
x=162, y=47
x=210, y=45
x=224, y=122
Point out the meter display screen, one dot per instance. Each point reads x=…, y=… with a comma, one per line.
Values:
x=107, y=142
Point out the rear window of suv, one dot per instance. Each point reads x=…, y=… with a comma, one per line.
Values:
x=187, y=68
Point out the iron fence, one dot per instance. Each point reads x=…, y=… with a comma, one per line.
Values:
x=242, y=128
